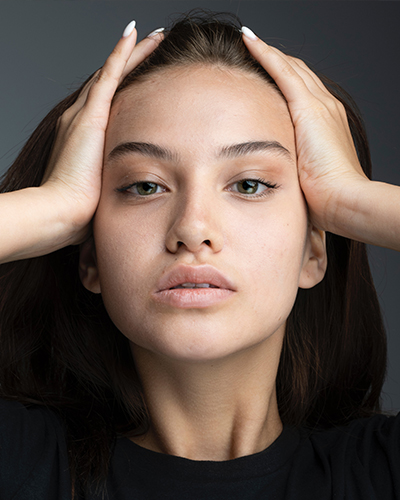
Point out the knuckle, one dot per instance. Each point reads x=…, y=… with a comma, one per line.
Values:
x=116, y=52
x=287, y=70
x=335, y=106
x=302, y=64
x=107, y=75
x=89, y=121
x=340, y=107
x=65, y=118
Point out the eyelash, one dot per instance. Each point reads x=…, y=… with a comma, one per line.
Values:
x=265, y=183
x=266, y=192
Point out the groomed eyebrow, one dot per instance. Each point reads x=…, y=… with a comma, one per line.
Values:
x=250, y=147
x=144, y=149
x=231, y=151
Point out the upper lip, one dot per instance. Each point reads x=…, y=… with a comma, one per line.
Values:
x=194, y=274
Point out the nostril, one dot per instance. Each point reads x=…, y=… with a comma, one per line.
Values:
x=207, y=242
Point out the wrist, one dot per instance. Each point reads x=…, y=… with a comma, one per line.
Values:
x=347, y=209
x=368, y=211
x=34, y=221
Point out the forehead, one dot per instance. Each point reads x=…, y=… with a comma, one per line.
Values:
x=198, y=105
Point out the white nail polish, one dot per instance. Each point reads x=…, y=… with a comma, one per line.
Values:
x=155, y=32
x=128, y=30
x=247, y=32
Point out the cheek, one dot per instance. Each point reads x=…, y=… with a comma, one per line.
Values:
x=124, y=249
x=263, y=251
x=275, y=238
x=273, y=255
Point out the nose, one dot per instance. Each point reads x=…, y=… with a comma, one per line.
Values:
x=195, y=225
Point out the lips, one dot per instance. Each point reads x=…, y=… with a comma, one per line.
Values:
x=193, y=287
x=186, y=276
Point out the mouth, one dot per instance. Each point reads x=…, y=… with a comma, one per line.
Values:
x=193, y=287
x=188, y=277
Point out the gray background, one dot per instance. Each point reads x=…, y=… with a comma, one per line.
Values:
x=49, y=47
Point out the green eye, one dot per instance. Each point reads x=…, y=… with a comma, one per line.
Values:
x=146, y=188
x=253, y=188
x=142, y=188
x=248, y=186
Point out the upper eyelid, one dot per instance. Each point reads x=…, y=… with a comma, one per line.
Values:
x=131, y=184
x=264, y=182
x=254, y=179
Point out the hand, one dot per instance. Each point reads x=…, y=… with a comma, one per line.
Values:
x=328, y=166
x=73, y=174
x=35, y=221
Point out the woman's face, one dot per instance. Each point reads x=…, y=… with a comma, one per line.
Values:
x=200, y=186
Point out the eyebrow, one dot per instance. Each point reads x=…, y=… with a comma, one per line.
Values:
x=231, y=151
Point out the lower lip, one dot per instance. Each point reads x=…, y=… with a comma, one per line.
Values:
x=186, y=298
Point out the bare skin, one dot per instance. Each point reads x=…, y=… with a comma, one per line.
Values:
x=341, y=199
x=208, y=370
x=198, y=408
x=41, y=220
x=367, y=211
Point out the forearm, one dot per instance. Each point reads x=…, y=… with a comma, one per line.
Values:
x=369, y=213
x=30, y=224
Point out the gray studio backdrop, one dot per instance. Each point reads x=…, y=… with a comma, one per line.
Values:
x=49, y=47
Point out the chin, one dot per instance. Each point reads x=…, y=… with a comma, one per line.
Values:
x=200, y=345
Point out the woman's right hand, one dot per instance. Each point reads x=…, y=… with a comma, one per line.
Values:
x=75, y=165
x=36, y=221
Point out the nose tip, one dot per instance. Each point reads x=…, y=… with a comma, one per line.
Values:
x=194, y=229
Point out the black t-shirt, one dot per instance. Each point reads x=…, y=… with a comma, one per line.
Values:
x=359, y=461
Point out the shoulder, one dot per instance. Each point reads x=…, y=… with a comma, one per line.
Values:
x=33, y=453
x=362, y=434
x=359, y=460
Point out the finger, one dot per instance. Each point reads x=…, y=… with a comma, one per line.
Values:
x=312, y=81
x=285, y=73
x=129, y=35
x=318, y=89
x=80, y=101
x=124, y=58
x=306, y=73
x=110, y=74
x=142, y=50
x=302, y=78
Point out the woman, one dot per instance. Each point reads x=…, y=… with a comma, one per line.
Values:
x=199, y=176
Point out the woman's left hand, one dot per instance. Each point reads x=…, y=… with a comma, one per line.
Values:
x=328, y=166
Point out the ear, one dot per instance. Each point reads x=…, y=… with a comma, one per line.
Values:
x=88, y=272
x=315, y=259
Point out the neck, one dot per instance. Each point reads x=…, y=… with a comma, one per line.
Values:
x=214, y=410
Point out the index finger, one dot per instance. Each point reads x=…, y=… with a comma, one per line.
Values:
x=285, y=73
x=125, y=57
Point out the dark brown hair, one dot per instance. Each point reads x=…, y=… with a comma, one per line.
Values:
x=59, y=348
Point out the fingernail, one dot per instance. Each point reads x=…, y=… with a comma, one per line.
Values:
x=155, y=32
x=247, y=32
x=128, y=30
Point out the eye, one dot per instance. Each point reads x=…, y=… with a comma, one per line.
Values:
x=145, y=188
x=142, y=188
x=253, y=187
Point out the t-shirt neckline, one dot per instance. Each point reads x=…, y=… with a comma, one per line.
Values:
x=249, y=466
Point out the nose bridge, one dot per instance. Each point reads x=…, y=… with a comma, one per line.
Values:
x=195, y=222
x=195, y=204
